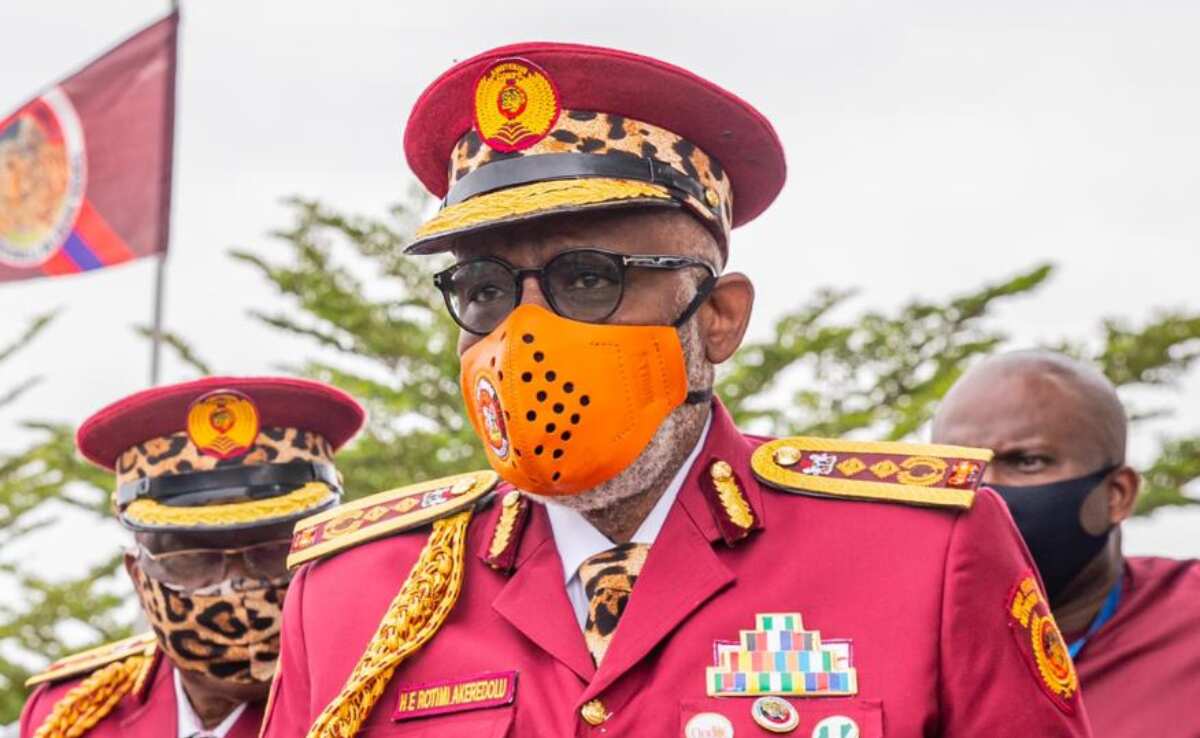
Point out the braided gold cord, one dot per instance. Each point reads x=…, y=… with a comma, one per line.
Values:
x=94, y=698
x=423, y=604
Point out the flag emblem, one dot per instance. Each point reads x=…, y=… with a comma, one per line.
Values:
x=85, y=169
x=43, y=173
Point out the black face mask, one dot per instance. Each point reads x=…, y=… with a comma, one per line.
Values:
x=1048, y=517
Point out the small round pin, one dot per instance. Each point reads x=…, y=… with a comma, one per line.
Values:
x=774, y=714
x=837, y=726
x=708, y=725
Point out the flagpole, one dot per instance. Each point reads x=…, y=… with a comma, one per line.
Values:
x=156, y=343
x=160, y=266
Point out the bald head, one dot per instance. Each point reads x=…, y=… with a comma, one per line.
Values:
x=1047, y=417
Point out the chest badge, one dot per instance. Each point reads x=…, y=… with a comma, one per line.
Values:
x=708, y=725
x=780, y=657
x=838, y=726
x=774, y=714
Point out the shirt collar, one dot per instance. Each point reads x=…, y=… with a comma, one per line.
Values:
x=577, y=539
x=188, y=723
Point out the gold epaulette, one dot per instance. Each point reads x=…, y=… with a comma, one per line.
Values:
x=911, y=473
x=85, y=662
x=385, y=513
x=109, y=674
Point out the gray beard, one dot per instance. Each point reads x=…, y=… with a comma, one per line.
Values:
x=667, y=450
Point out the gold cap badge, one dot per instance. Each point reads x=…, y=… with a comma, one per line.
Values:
x=516, y=105
x=223, y=423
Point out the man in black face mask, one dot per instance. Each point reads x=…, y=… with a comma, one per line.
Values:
x=1133, y=624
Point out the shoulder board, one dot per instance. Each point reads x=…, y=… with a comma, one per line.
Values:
x=88, y=661
x=909, y=473
x=385, y=513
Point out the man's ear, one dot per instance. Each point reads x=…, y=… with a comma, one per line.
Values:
x=1123, y=489
x=129, y=558
x=725, y=316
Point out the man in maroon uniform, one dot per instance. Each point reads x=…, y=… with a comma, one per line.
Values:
x=1058, y=430
x=646, y=569
x=210, y=476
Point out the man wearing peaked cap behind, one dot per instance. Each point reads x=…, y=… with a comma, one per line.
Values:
x=644, y=568
x=211, y=475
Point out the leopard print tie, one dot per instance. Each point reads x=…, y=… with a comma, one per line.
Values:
x=608, y=579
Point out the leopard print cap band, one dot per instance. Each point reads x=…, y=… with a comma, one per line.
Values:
x=177, y=454
x=596, y=134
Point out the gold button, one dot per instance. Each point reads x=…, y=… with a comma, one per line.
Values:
x=787, y=455
x=512, y=498
x=711, y=196
x=721, y=471
x=594, y=712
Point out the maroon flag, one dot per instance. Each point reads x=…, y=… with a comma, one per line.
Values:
x=85, y=169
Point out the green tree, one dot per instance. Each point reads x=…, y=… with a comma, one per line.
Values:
x=32, y=482
x=876, y=374
x=351, y=291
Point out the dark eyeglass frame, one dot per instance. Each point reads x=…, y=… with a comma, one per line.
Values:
x=443, y=280
x=228, y=555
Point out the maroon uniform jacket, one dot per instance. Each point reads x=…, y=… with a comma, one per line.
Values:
x=1141, y=671
x=923, y=594
x=148, y=714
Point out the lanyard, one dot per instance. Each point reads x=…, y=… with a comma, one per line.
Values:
x=1106, y=612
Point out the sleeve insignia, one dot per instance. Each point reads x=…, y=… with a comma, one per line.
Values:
x=89, y=661
x=1042, y=644
x=385, y=513
x=915, y=474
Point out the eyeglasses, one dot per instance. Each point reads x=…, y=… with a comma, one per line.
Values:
x=200, y=567
x=581, y=284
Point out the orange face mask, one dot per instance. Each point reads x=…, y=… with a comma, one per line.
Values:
x=562, y=405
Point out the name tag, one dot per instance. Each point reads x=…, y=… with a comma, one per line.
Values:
x=456, y=695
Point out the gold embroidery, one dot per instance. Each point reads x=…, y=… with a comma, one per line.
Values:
x=934, y=470
x=884, y=469
x=535, y=198
x=851, y=466
x=731, y=496
x=504, y=527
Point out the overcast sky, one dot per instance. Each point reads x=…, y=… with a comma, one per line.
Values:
x=932, y=146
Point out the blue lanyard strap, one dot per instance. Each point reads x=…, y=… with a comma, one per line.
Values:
x=1107, y=610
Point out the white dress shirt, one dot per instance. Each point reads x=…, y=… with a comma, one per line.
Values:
x=189, y=723
x=577, y=539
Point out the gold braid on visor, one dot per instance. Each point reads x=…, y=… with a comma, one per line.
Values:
x=309, y=498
